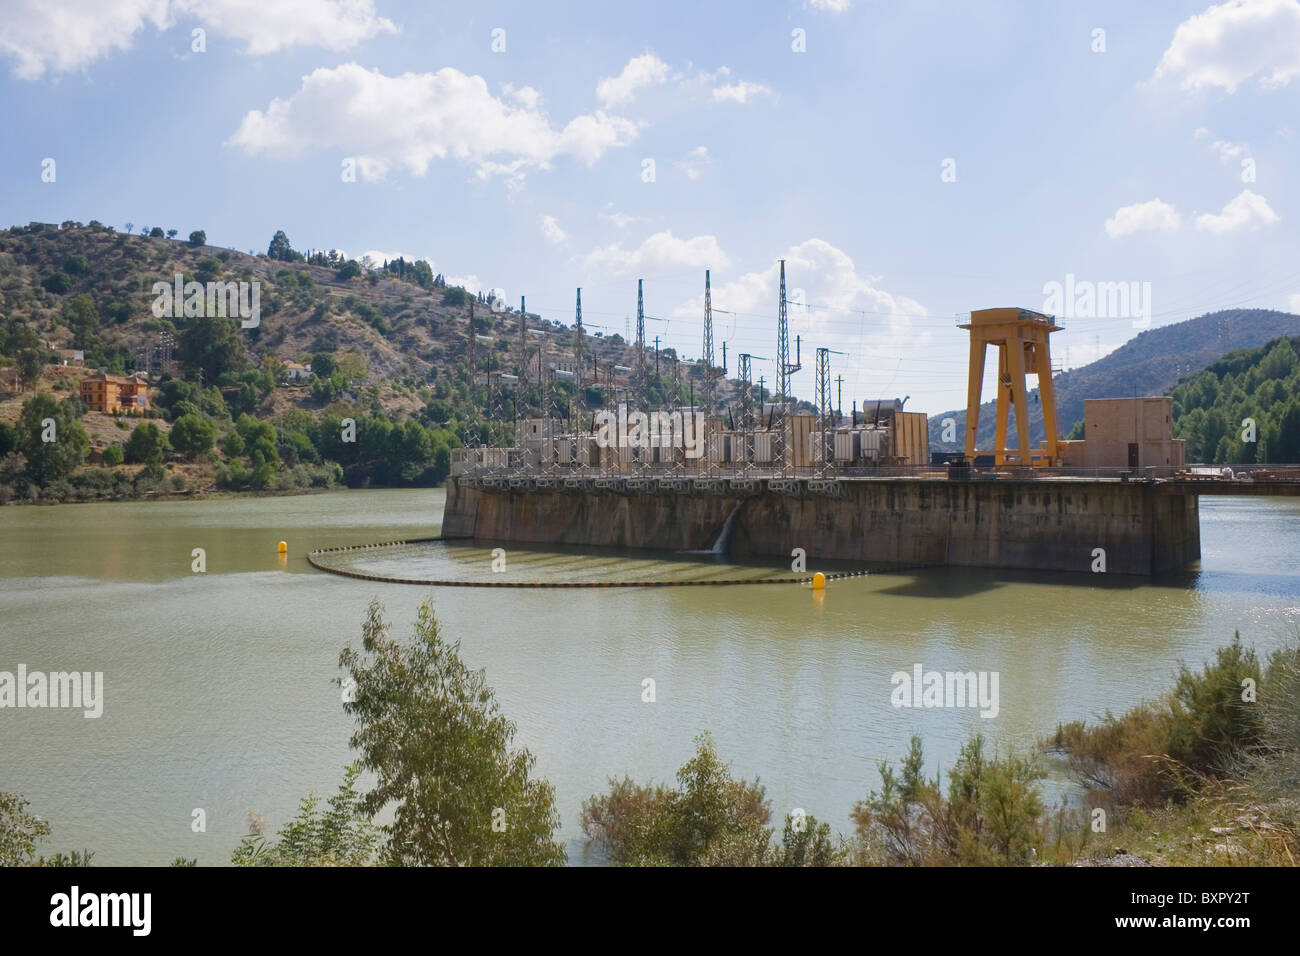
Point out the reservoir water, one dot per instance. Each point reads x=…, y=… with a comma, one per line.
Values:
x=218, y=692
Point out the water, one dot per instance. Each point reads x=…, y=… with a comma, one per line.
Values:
x=218, y=692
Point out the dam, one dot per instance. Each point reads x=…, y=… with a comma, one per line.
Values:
x=1141, y=527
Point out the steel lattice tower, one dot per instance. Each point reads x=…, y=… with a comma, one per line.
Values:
x=582, y=343
x=640, y=343
x=523, y=342
x=708, y=346
x=746, y=393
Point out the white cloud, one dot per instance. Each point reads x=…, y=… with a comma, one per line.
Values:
x=829, y=281
x=1201, y=133
x=831, y=6
x=469, y=283
x=377, y=257
x=694, y=162
x=1248, y=211
x=551, y=230
x=609, y=213
x=1228, y=151
x=640, y=72
x=60, y=36
x=661, y=251
x=1143, y=216
x=741, y=92
x=1294, y=303
x=410, y=120
x=1234, y=41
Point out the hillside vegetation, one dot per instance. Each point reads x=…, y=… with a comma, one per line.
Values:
x=388, y=347
x=1151, y=363
x=1243, y=409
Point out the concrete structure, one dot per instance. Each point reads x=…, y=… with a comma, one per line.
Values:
x=102, y=392
x=297, y=372
x=1022, y=340
x=1126, y=433
x=1044, y=525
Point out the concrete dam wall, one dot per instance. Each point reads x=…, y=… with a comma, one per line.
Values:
x=1053, y=525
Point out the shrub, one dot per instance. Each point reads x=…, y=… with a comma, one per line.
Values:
x=113, y=455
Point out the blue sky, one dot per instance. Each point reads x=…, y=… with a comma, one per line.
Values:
x=1114, y=157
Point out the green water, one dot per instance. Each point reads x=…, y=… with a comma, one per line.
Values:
x=218, y=692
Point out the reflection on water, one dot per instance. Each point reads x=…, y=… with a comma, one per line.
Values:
x=218, y=691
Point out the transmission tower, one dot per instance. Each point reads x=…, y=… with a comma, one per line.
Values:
x=640, y=344
x=784, y=369
x=824, y=420
x=746, y=393
x=523, y=343
x=708, y=347
x=581, y=343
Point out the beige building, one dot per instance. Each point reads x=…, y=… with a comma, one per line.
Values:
x=1126, y=433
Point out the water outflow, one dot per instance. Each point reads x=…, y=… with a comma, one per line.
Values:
x=723, y=540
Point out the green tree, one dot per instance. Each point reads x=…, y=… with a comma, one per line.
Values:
x=19, y=831
x=30, y=364
x=711, y=819
x=322, y=365
x=432, y=732
x=348, y=270
x=44, y=418
x=213, y=345
x=197, y=238
x=280, y=248
x=341, y=835
x=58, y=283
x=113, y=456
x=192, y=435
x=146, y=445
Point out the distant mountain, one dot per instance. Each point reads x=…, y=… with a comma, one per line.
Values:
x=1151, y=363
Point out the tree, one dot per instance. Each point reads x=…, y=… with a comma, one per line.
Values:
x=349, y=270
x=431, y=731
x=30, y=363
x=19, y=831
x=213, y=345
x=129, y=227
x=51, y=439
x=340, y=836
x=711, y=819
x=146, y=445
x=192, y=435
x=58, y=283
x=322, y=365
x=280, y=248
x=171, y=234
x=157, y=233
x=198, y=238
x=113, y=456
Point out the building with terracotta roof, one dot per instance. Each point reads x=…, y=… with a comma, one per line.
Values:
x=103, y=392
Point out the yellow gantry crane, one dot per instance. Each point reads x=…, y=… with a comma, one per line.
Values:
x=1022, y=340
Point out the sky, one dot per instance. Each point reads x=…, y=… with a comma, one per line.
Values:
x=911, y=161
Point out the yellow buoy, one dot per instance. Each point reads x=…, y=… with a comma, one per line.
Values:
x=819, y=582
x=284, y=548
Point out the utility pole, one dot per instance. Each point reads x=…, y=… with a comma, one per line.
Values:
x=839, y=397
x=823, y=406
x=784, y=369
x=656, y=358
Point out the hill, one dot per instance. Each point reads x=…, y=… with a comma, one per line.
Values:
x=1151, y=363
x=1244, y=408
